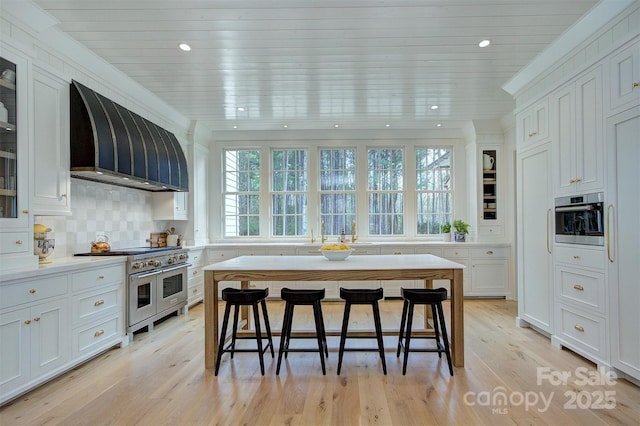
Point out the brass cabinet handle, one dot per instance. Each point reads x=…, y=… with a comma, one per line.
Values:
x=578, y=180
x=36, y=319
x=195, y=290
x=195, y=272
x=572, y=181
x=98, y=333
x=489, y=252
x=27, y=322
x=397, y=252
x=635, y=84
x=19, y=242
x=576, y=257
x=101, y=277
x=579, y=328
x=578, y=287
x=25, y=211
x=33, y=291
x=98, y=302
x=63, y=195
x=608, y=231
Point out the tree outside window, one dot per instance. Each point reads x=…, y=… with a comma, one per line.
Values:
x=433, y=189
x=241, y=193
x=289, y=192
x=337, y=190
x=385, y=191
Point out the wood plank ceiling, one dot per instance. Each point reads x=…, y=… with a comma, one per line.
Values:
x=359, y=64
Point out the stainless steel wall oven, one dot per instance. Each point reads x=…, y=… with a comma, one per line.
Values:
x=580, y=219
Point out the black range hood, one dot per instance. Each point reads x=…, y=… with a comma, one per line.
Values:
x=113, y=145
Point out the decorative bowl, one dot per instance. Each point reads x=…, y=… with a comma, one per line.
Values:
x=43, y=248
x=336, y=254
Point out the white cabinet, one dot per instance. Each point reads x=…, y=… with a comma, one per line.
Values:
x=170, y=206
x=581, y=302
x=195, y=284
x=97, y=309
x=51, y=177
x=623, y=249
x=577, y=132
x=534, y=225
x=34, y=330
x=489, y=272
x=16, y=222
x=532, y=124
x=200, y=187
x=625, y=78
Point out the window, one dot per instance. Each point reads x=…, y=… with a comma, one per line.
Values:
x=385, y=191
x=241, y=193
x=289, y=192
x=433, y=189
x=337, y=190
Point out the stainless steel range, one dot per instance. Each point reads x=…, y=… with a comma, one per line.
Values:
x=157, y=283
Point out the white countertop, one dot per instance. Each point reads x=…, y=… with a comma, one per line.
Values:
x=307, y=263
x=61, y=265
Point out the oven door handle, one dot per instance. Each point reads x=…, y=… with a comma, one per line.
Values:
x=575, y=209
x=182, y=265
x=156, y=272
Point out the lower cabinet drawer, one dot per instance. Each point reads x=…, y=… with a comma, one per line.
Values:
x=455, y=253
x=97, y=277
x=196, y=293
x=587, y=332
x=87, y=339
x=582, y=288
x=14, y=242
x=33, y=290
x=86, y=307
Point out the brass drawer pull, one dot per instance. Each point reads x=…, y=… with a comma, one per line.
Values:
x=579, y=328
x=101, y=277
x=36, y=319
x=98, y=333
x=27, y=322
x=98, y=303
x=576, y=257
x=33, y=291
x=489, y=251
x=578, y=287
x=19, y=242
x=195, y=272
x=397, y=252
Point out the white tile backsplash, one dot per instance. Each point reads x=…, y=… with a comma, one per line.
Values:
x=122, y=214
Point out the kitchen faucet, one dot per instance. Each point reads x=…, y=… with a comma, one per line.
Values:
x=323, y=238
x=353, y=232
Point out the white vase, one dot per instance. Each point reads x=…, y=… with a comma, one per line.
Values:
x=446, y=237
x=4, y=114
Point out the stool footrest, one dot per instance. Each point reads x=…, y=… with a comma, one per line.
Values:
x=361, y=350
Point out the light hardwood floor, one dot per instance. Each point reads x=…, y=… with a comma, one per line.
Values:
x=160, y=379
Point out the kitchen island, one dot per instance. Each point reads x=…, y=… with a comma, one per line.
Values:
x=245, y=269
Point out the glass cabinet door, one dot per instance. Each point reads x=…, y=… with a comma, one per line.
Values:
x=8, y=140
x=489, y=185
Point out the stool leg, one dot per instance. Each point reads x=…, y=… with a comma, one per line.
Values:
x=234, y=332
x=444, y=337
x=284, y=335
x=256, y=318
x=287, y=340
x=223, y=334
x=267, y=325
x=402, y=324
x=376, y=319
x=407, y=341
x=436, y=330
x=343, y=334
x=324, y=333
x=319, y=326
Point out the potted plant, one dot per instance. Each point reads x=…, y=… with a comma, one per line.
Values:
x=446, y=231
x=461, y=229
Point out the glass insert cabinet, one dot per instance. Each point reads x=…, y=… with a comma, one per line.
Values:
x=489, y=185
x=8, y=140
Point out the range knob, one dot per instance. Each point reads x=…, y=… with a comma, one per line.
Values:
x=171, y=260
x=157, y=263
x=182, y=257
x=136, y=265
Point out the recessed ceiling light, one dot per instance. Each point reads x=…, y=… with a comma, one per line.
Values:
x=434, y=107
x=285, y=126
x=240, y=109
x=336, y=125
x=387, y=125
x=484, y=43
x=438, y=125
x=235, y=127
x=185, y=47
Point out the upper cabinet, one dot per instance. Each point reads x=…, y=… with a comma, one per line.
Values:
x=16, y=247
x=170, y=206
x=532, y=123
x=51, y=178
x=625, y=78
x=577, y=134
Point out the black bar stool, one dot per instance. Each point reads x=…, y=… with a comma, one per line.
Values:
x=302, y=297
x=237, y=298
x=361, y=297
x=424, y=296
